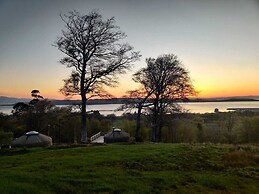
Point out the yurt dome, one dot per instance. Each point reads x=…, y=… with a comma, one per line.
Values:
x=116, y=135
x=33, y=139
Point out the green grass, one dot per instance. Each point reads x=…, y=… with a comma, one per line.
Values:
x=144, y=168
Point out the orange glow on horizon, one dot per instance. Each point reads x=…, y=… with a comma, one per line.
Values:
x=203, y=92
x=227, y=91
x=206, y=88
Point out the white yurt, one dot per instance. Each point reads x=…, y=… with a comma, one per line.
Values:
x=116, y=135
x=33, y=139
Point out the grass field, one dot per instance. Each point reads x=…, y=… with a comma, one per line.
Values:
x=143, y=168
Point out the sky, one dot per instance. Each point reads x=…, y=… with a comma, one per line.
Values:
x=217, y=41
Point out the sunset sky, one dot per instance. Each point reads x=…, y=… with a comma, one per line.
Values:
x=217, y=41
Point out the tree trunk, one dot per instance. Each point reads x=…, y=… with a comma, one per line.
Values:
x=159, y=136
x=138, y=134
x=75, y=139
x=153, y=135
x=83, y=120
x=159, y=126
x=154, y=124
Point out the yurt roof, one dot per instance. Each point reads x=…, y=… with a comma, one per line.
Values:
x=33, y=139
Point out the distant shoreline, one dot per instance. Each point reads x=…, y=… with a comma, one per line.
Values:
x=122, y=101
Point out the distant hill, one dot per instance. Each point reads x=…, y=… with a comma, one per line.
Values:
x=4, y=100
x=10, y=100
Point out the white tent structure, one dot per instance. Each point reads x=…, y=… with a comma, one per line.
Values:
x=33, y=139
x=116, y=135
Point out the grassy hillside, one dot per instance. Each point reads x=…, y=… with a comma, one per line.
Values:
x=147, y=168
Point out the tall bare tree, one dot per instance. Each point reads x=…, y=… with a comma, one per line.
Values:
x=165, y=82
x=94, y=51
x=136, y=99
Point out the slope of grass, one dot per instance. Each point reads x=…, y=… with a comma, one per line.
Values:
x=145, y=168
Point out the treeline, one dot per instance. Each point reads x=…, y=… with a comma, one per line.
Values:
x=63, y=125
x=229, y=127
x=223, y=127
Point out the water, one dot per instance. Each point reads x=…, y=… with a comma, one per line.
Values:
x=193, y=107
x=6, y=109
x=104, y=109
x=209, y=107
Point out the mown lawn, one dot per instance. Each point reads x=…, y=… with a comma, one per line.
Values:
x=143, y=168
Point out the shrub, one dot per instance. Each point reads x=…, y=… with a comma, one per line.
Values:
x=5, y=138
x=240, y=158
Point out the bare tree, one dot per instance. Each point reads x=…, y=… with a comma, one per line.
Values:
x=136, y=99
x=165, y=82
x=93, y=50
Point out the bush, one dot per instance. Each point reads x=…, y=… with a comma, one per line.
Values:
x=5, y=138
x=240, y=159
x=248, y=130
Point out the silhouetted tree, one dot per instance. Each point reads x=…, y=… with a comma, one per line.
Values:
x=95, y=54
x=20, y=107
x=137, y=99
x=165, y=81
x=36, y=96
x=33, y=114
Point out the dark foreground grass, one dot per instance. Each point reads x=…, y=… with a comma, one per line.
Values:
x=146, y=168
